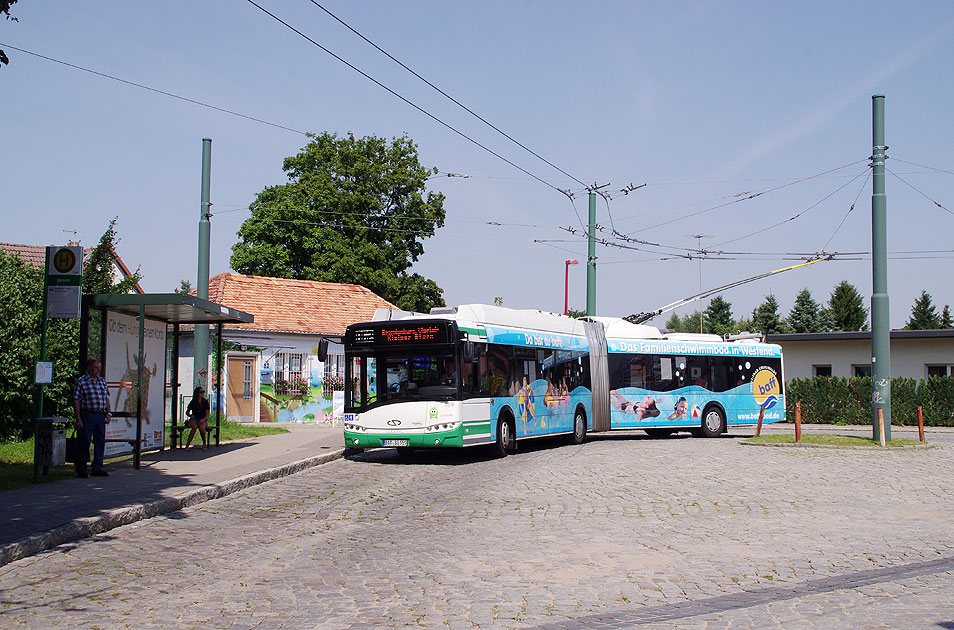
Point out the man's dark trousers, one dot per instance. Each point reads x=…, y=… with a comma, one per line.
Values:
x=94, y=428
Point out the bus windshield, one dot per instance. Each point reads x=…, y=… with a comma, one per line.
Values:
x=377, y=379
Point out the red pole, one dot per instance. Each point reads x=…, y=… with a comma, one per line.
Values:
x=920, y=424
x=798, y=422
x=566, y=286
x=758, y=429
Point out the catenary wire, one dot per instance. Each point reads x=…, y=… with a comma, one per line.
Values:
x=797, y=215
x=446, y=95
x=157, y=91
x=864, y=184
x=402, y=98
x=917, y=190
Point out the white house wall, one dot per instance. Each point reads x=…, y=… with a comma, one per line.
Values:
x=909, y=357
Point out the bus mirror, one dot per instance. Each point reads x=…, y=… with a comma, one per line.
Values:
x=323, y=350
x=469, y=352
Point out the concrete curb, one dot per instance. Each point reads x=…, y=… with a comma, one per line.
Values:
x=90, y=526
x=887, y=449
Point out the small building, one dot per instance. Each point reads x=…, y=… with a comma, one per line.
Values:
x=915, y=354
x=35, y=255
x=276, y=355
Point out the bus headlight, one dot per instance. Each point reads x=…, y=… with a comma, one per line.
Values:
x=444, y=426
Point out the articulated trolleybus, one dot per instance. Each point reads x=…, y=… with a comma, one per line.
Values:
x=486, y=375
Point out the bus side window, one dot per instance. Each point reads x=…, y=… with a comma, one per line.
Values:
x=720, y=374
x=664, y=377
x=699, y=371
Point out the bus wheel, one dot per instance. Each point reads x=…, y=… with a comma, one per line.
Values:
x=405, y=451
x=713, y=423
x=505, y=437
x=579, y=427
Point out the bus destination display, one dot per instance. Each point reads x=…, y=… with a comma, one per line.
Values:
x=413, y=334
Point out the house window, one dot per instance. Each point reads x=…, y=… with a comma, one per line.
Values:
x=288, y=365
x=936, y=370
x=861, y=370
x=334, y=375
x=821, y=370
x=247, y=381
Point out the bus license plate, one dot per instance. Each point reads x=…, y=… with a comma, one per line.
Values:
x=394, y=442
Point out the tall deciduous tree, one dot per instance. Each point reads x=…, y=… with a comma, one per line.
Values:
x=718, y=316
x=5, y=10
x=765, y=317
x=354, y=210
x=923, y=314
x=846, y=308
x=805, y=316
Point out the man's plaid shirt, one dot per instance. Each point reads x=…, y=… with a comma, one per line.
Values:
x=91, y=393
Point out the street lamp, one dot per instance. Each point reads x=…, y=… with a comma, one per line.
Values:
x=566, y=286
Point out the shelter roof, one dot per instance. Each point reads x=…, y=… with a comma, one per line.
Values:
x=296, y=306
x=173, y=308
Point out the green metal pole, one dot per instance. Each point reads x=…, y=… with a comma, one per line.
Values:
x=880, y=324
x=591, y=258
x=201, y=365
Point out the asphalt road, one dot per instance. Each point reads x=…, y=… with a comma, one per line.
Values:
x=620, y=532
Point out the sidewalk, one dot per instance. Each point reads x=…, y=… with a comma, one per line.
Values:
x=42, y=516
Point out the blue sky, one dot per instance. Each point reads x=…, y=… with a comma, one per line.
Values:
x=705, y=102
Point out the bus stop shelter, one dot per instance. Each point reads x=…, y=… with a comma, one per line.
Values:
x=171, y=309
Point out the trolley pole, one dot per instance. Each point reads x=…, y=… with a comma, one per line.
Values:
x=880, y=324
x=591, y=258
x=201, y=364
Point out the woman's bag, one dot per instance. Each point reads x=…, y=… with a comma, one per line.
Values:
x=77, y=450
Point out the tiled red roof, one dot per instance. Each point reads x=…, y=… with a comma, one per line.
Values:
x=300, y=306
x=31, y=254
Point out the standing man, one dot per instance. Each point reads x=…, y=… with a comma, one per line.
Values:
x=91, y=404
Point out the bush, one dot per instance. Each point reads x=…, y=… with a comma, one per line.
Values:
x=836, y=400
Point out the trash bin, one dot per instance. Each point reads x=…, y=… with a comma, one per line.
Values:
x=50, y=442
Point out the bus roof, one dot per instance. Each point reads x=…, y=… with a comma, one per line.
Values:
x=488, y=315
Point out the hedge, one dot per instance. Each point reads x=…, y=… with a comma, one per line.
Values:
x=836, y=400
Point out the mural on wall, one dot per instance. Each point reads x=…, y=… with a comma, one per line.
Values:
x=306, y=401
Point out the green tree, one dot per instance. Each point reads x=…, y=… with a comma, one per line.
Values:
x=743, y=325
x=923, y=315
x=354, y=210
x=674, y=323
x=98, y=267
x=805, y=316
x=5, y=10
x=946, y=317
x=765, y=317
x=21, y=303
x=718, y=316
x=845, y=306
x=21, y=288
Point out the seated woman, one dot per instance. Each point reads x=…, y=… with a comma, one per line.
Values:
x=198, y=416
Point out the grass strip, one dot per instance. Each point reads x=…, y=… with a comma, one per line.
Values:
x=830, y=440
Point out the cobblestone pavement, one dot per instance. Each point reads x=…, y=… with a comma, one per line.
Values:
x=620, y=532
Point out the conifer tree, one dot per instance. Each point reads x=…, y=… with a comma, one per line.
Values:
x=946, y=317
x=923, y=314
x=765, y=318
x=805, y=316
x=718, y=316
x=846, y=308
